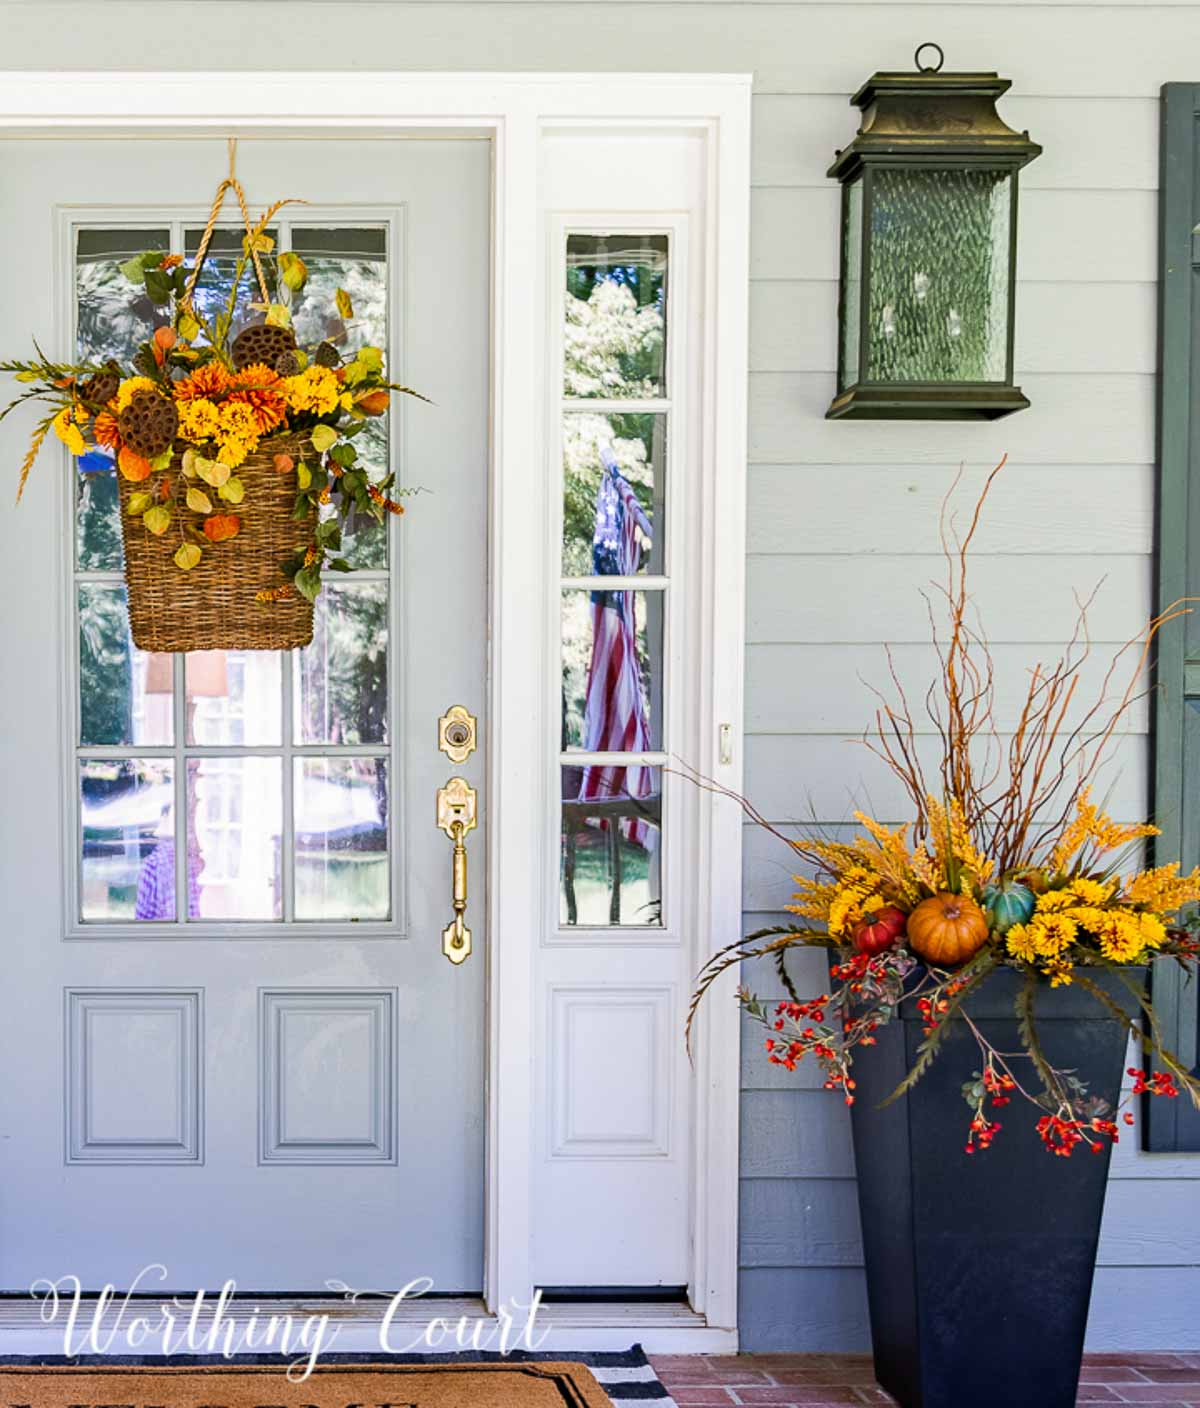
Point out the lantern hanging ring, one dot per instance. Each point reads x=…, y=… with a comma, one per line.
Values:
x=929, y=68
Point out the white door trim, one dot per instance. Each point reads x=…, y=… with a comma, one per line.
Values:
x=513, y=110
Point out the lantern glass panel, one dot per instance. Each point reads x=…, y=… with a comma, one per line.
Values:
x=851, y=283
x=939, y=281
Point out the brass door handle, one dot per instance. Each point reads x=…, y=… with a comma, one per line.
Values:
x=456, y=816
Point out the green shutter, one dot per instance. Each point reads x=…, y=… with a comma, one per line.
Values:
x=1173, y=1125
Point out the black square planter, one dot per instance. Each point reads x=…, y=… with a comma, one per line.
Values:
x=979, y=1266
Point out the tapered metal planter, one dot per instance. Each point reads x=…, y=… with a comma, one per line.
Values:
x=979, y=1266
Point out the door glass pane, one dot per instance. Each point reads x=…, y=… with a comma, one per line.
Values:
x=125, y=697
x=341, y=692
x=216, y=277
x=613, y=485
x=234, y=698
x=612, y=653
x=234, y=827
x=353, y=258
x=614, y=338
x=611, y=846
x=127, y=808
x=112, y=316
x=342, y=861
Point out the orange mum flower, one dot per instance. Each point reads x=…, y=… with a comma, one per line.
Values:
x=209, y=380
x=256, y=386
x=104, y=428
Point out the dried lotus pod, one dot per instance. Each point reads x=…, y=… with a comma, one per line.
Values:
x=99, y=389
x=148, y=424
x=327, y=355
x=287, y=364
x=261, y=344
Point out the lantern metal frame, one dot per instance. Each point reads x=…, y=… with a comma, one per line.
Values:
x=938, y=122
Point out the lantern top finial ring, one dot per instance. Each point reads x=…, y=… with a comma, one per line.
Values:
x=929, y=68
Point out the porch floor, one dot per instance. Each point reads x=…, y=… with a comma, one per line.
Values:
x=834, y=1380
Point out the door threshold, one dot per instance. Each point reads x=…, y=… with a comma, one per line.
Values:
x=440, y=1326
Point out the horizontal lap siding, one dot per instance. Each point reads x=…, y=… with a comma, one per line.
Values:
x=842, y=517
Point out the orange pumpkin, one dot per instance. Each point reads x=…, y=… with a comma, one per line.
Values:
x=947, y=929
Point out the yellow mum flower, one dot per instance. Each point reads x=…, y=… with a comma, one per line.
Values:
x=1153, y=931
x=316, y=389
x=1091, y=892
x=1019, y=941
x=199, y=419
x=68, y=432
x=1121, y=938
x=1053, y=934
x=1059, y=973
x=1054, y=901
x=130, y=388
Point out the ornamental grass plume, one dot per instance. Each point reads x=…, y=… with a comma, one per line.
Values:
x=1006, y=861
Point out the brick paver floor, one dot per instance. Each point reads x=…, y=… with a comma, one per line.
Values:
x=835, y=1380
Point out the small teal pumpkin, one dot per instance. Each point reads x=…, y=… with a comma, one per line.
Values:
x=1007, y=904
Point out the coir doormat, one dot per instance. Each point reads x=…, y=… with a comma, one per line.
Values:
x=503, y=1384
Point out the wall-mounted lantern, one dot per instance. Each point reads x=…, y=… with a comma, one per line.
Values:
x=929, y=244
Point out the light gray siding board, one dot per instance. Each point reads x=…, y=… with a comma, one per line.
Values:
x=807, y=1309
x=780, y=697
x=800, y=1222
x=1087, y=143
x=798, y=48
x=895, y=511
x=795, y=1134
x=1073, y=419
x=792, y=777
x=815, y=600
x=1061, y=327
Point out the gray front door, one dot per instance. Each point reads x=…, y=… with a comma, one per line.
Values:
x=279, y=1081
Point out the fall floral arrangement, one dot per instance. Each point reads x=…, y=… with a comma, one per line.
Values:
x=1007, y=861
x=205, y=400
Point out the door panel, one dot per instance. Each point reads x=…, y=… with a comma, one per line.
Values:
x=280, y=1079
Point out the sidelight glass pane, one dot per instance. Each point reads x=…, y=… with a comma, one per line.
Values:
x=939, y=276
x=614, y=474
x=341, y=690
x=112, y=316
x=353, y=258
x=611, y=846
x=342, y=861
x=127, y=868
x=614, y=338
x=234, y=698
x=125, y=697
x=234, y=827
x=612, y=653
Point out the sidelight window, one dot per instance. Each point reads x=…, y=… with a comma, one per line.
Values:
x=616, y=433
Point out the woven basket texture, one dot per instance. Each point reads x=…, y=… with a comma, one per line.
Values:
x=212, y=607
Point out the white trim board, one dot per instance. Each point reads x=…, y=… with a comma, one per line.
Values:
x=517, y=113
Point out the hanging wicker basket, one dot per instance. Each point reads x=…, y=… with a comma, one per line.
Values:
x=213, y=606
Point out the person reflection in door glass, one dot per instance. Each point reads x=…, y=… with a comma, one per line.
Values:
x=156, y=880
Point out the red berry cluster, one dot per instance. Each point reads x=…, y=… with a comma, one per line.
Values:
x=1160, y=1083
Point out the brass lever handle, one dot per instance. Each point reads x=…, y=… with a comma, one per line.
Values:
x=456, y=816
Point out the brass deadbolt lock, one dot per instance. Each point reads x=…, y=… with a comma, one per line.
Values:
x=457, y=732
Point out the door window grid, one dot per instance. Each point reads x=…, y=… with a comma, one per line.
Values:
x=219, y=803
x=615, y=429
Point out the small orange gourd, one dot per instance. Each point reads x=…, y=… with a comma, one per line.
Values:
x=947, y=929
